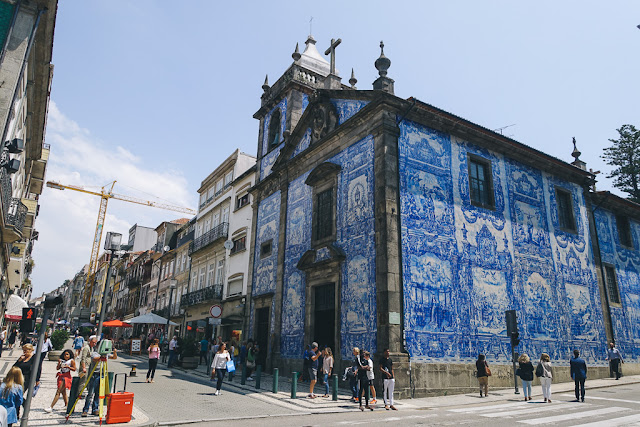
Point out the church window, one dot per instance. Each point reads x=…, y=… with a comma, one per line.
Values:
x=612, y=284
x=624, y=231
x=324, y=214
x=274, y=130
x=265, y=249
x=480, y=183
x=566, y=219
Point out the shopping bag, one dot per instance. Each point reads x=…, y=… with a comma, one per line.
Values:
x=231, y=367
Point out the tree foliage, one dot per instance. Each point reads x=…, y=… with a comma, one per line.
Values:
x=624, y=155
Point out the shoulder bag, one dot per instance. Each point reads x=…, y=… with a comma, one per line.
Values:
x=486, y=368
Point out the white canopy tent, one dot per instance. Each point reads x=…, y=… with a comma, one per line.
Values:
x=151, y=318
x=15, y=304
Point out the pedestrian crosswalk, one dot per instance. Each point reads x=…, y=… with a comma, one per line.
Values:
x=538, y=413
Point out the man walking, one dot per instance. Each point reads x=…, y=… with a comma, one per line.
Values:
x=615, y=358
x=173, y=347
x=204, y=348
x=579, y=374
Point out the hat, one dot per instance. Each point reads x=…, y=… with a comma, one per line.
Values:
x=314, y=345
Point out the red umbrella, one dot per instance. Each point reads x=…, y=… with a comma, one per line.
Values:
x=116, y=324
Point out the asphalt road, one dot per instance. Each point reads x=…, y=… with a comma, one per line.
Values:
x=606, y=407
x=176, y=398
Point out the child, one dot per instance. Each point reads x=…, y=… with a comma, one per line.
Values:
x=66, y=364
x=11, y=394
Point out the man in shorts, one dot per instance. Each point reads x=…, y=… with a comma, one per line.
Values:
x=314, y=354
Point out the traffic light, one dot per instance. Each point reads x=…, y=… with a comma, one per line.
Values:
x=512, y=321
x=515, y=340
x=28, y=322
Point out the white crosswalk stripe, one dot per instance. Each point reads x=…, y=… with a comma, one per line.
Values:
x=529, y=411
x=491, y=407
x=573, y=416
x=630, y=420
x=606, y=398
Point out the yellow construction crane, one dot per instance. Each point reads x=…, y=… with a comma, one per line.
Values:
x=104, y=199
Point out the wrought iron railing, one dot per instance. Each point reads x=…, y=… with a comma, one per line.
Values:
x=218, y=232
x=16, y=214
x=210, y=293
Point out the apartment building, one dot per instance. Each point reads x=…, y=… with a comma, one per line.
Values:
x=219, y=219
x=26, y=43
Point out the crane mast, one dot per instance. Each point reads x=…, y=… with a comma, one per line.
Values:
x=104, y=200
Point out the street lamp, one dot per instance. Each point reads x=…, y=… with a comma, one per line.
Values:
x=172, y=286
x=111, y=244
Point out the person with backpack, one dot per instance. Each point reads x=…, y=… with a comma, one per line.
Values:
x=251, y=361
x=365, y=375
x=483, y=373
x=78, y=343
x=525, y=372
x=544, y=371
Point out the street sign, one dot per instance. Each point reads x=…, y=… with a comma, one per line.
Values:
x=215, y=311
x=213, y=321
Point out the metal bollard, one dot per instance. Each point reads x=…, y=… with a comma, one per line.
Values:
x=334, y=388
x=243, y=378
x=294, y=384
x=275, y=380
x=133, y=370
x=258, y=375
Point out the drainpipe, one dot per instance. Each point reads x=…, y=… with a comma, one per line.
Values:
x=32, y=38
x=13, y=22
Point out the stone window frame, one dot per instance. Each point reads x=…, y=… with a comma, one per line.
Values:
x=573, y=227
x=611, y=285
x=475, y=159
x=324, y=177
x=235, y=250
x=271, y=145
x=624, y=231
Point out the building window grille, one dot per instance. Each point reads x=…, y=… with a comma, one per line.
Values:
x=324, y=214
x=612, y=284
x=624, y=231
x=265, y=249
x=239, y=244
x=566, y=219
x=480, y=183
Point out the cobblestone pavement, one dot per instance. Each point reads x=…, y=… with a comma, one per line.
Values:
x=44, y=397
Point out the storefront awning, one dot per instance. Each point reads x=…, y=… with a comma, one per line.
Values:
x=15, y=304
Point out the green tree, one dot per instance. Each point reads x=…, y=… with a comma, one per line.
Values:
x=624, y=155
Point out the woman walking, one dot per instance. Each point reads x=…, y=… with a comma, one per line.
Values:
x=219, y=366
x=365, y=373
x=546, y=375
x=353, y=375
x=11, y=392
x=66, y=364
x=525, y=372
x=327, y=369
x=12, y=338
x=482, y=368
x=154, y=356
x=25, y=364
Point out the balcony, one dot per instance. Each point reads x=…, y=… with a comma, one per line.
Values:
x=219, y=232
x=211, y=293
x=38, y=167
x=133, y=283
x=14, y=221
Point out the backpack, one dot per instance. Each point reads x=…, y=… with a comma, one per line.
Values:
x=539, y=370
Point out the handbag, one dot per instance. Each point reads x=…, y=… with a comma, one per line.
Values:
x=251, y=364
x=231, y=367
x=539, y=370
x=486, y=368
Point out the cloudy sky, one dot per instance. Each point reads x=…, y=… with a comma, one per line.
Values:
x=156, y=94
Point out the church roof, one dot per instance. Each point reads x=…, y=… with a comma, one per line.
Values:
x=312, y=60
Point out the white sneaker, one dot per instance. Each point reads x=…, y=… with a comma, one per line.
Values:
x=249, y=379
x=217, y=393
x=48, y=409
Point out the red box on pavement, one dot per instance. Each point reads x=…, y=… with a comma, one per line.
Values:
x=119, y=407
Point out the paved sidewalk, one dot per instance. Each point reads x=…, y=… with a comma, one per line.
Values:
x=343, y=404
x=44, y=397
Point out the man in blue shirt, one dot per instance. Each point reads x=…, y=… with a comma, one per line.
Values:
x=579, y=374
x=615, y=358
x=204, y=348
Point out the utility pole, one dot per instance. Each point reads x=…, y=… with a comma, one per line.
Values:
x=512, y=332
x=50, y=303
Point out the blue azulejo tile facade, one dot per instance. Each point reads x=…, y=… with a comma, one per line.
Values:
x=270, y=157
x=355, y=238
x=621, y=268
x=464, y=266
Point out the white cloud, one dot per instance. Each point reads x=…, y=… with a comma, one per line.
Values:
x=67, y=219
